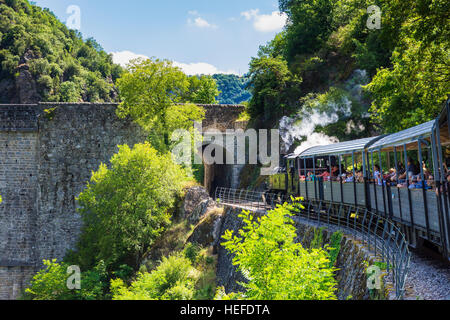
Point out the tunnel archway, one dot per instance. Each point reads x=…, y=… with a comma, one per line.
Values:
x=216, y=174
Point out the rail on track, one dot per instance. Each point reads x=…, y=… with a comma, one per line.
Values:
x=378, y=234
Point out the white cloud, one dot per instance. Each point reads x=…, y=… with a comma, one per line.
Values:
x=250, y=14
x=201, y=68
x=201, y=23
x=266, y=22
x=124, y=57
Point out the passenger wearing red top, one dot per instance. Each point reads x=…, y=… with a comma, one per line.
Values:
x=324, y=175
x=335, y=171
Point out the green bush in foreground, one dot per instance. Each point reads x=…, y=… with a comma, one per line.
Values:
x=275, y=266
x=173, y=279
x=51, y=283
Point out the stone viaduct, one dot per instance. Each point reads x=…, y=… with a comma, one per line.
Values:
x=47, y=154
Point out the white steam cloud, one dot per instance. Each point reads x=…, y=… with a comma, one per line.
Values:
x=303, y=126
x=297, y=129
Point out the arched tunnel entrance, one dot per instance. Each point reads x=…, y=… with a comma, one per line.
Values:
x=218, y=174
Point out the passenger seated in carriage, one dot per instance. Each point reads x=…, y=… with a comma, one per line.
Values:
x=325, y=175
x=411, y=171
x=349, y=178
x=359, y=176
x=310, y=176
x=396, y=174
x=334, y=172
x=417, y=183
x=388, y=175
x=445, y=187
x=377, y=175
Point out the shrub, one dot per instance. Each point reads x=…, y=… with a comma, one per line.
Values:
x=191, y=252
x=51, y=283
x=275, y=266
x=173, y=279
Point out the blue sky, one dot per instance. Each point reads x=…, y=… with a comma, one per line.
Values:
x=201, y=36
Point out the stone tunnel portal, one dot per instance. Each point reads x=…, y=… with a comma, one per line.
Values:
x=218, y=174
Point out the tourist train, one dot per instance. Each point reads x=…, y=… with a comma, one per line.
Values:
x=403, y=177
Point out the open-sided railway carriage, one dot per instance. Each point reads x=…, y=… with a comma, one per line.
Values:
x=418, y=202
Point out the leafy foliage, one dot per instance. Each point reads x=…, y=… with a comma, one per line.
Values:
x=414, y=88
x=149, y=88
x=409, y=93
x=233, y=89
x=173, y=279
x=63, y=65
x=326, y=40
x=51, y=283
x=335, y=247
x=125, y=208
x=309, y=27
x=274, y=87
x=202, y=90
x=152, y=90
x=276, y=267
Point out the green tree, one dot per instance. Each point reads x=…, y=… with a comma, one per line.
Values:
x=151, y=90
x=414, y=90
x=51, y=283
x=125, y=208
x=182, y=116
x=33, y=37
x=310, y=25
x=275, y=266
x=202, y=90
x=173, y=279
x=415, y=86
x=274, y=87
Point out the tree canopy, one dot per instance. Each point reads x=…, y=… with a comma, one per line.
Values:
x=60, y=64
x=125, y=208
x=152, y=91
x=233, y=89
x=325, y=41
x=202, y=89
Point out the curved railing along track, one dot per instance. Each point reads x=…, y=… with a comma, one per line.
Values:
x=379, y=235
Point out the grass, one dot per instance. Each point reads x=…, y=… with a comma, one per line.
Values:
x=206, y=263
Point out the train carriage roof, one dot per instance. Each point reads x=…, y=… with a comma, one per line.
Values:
x=408, y=136
x=339, y=148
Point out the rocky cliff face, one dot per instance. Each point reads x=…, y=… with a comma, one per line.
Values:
x=211, y=222
x=22, y=88
x=351, y=262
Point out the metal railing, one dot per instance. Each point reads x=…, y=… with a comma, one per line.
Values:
x=379, y=235
x=247, y=199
